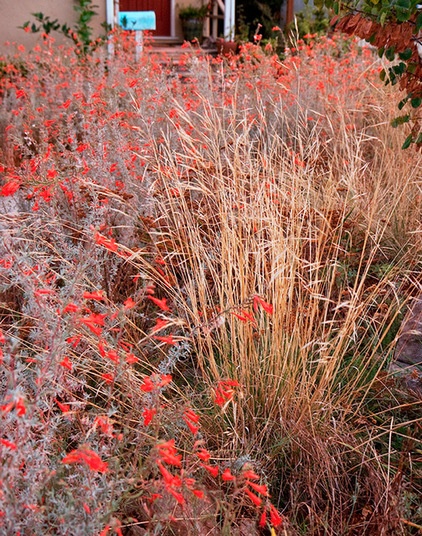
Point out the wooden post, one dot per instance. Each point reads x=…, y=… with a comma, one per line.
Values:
x=139, y=43
x=290, y=11
x=138, y=21
x=229, y=22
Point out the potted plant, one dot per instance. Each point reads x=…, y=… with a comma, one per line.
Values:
x=229, y=44
x=192, y=19
x=226, y=47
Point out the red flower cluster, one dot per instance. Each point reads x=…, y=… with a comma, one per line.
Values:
x=224, y=391
x=154, y=382
x=87, y=457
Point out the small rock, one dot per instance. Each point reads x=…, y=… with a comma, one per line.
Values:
x=408, y=352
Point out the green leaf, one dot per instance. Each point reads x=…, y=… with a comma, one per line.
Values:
x=408, y=141
x=402, y=103
x=383, y=17
x=418, y=22
x=416, y=102
x=403, y=10
x=403, y=4
x=390, y=53
x=397, y=121
x=399, y=69
x=392, y=76
x=406, y=54
x=403, y=14
x=411, y=68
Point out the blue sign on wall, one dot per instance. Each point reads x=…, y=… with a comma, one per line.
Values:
x=137, y=20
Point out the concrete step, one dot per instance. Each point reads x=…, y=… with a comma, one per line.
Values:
x=158, y=42
x=174, y=55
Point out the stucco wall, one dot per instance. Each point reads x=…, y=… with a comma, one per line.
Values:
x=15, y=12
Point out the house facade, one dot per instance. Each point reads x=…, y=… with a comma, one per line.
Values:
x=16, y=12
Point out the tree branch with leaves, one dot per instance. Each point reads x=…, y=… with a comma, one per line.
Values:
x=394, y=28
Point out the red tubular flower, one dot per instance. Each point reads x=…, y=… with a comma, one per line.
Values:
x=70, y=308
x=108, y=243
x=259, y=488
x=191, y=415
x=108, y=378
x=224, y=392
x=227, y=476
x=171, y=458
x=178, y=496
x=20, y=407
x=250, y=475
x=66, y=363
x=87, y=457
x=63, y=407
x=168, y=340
x=275, y=517
x=189, y=482
x=244, y=316
x=9, y=188
x=168, y=453
x=212, y=469
x=74, y=341
x=162, y=304
x=96, y=295
x=194, y=429
x=165, y=380
x=131, y=358
x=129, y=303
x=167, y=476
x=159, y=325
x=9, y=444
x=94, y=322
x=268, y=308
x=104, y=424
x=263, y=519
x=203, y=455
x=254, y=498
x=148, y=415
x=44, y=292
x=147, y=386
x=101, y=349
x=112, y=355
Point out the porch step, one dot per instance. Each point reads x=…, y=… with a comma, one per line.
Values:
x=158, y=42
x=174, y=55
